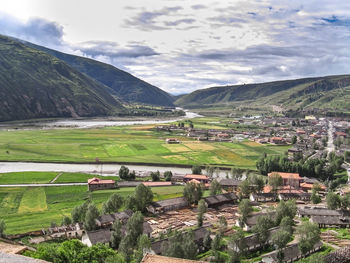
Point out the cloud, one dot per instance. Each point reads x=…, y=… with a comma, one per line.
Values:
x=180, y=21
x=37, y=30
x=197, y=7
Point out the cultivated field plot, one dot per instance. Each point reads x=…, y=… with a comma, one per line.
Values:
x=33, y=208
x=126, y=144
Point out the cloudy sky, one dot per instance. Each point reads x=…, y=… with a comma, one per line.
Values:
x=181, y=46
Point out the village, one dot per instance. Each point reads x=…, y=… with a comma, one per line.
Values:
x=244, y=216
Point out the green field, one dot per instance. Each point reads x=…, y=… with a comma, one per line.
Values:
x=128, y=144
x=33, y=208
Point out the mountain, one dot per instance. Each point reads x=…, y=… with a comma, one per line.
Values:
x=34, y=84
x=321, y=92
x=123, y=85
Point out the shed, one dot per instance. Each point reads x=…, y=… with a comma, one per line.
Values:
x=220, y=199
x=167, y=205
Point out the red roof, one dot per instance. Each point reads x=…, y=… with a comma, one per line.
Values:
x=341, y=134
x=282, y=189
x=309, y=186
x=196, y=176
x=96, y=180
x=277, y=139
x=287, y=175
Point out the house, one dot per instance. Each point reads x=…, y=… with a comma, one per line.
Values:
x=341, y=134
x=199, y=177
x=167, y=205
x=252, y=220
x=277, y=140
x=253, y=243
x=172, y=141
x=331, y=221
x=150, y=258
x=100, y=184
x=294, y=153
x=198, y=233
x=308, y=183
x=215, y=201
x=262, y=197
x=103, y=235
x=318, y=211
x=289, y=179
x=108, y=219
x=230, y=185
x=91, y=238
x=296, y=196
x=291, y=253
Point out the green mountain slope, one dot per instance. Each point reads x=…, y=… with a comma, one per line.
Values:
x=321, y=92
x=34, y=84
x=124, y=85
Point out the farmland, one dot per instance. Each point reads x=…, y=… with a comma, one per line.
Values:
x=33, y=208
x=134, y=144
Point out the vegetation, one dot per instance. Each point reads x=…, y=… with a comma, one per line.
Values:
x=196, y=169
x=309, y=235
x=122, y=84
x=60, y=91
x=244, y=209
x=215, y=187
x=2, y=227
x=181, y=245
x=193, y=192
x=113, y=204
x=142, y=198
x=140, y=144
x=201, y=210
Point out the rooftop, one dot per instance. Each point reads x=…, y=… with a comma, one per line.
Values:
x=287, y=175
x=149, y=258
x=196, y=176
x=96, y=180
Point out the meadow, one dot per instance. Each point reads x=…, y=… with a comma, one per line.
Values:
x=130, y=144
x=34, y=208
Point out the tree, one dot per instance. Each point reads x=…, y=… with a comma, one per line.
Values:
x=284, y=209
x=244, y=189
x=124, y=172
x=193, y=192
x=91, y=214
x=315, y=198
x=222, y=225
x=294, y=139
x=209, y=171
x=236, y=173
x=309, y=235
x=237, y=243
x=181, y=245
x=117, y=258
x=2, y=228
x=333, y=200
x=155, y=176
x=287, y=224
x=116, y=234
x=215, y=187
x=257, y=183
x=280, y=239
x=143, y=245
x=275, y=181
x=66, y=220
x=207, y=241
x=345, y=201
x=168, y=175
x=215, y=248
x=196, y=169
x=79, y=212
x=113, y=204
x=202, y=208
x=143, y=197
x=347, y=156
x=263, y=224
x=244, y=209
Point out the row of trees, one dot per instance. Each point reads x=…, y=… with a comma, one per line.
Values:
x=125, y=174
x=335, y=201
x=319, y=168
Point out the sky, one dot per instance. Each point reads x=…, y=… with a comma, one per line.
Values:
x=182, y=46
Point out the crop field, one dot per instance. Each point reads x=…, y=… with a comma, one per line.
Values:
x=33, y=208
x=140, y=144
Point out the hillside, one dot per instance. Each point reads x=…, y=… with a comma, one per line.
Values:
x=323, y=92
x=34, y=84
x=123, y=85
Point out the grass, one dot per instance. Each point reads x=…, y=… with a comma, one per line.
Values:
x=129, y=144
x=325, y=250
x=34, y=208
x=27, y=177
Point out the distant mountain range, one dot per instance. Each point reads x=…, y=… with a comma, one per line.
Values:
x=125, y=86
x=331, y=92
x=34, y=84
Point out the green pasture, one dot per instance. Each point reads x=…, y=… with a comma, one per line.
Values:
x=33, y=208
x=141, y=144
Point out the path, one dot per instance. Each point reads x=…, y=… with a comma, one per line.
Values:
x=330, y=145
x=54, y=179
x=40, y=185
